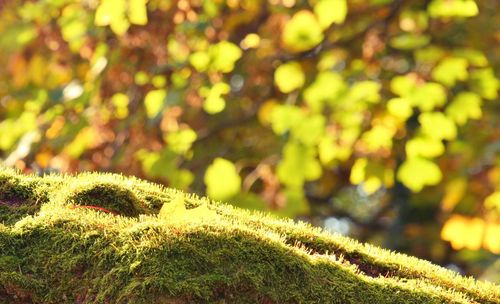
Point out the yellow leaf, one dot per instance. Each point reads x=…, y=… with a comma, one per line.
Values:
x=200, y=60
x=463, y=232
x=176, y=212
x=175, y=209
x=400, y=108
x=112, y=13
x=428, y=96
x=302, y=32
x=424, y=146
x=453, y=8
x=330, y=11
x=266, y=110
x=214, y=102
x=37, y=70
x=289, y=77
x=223, y=56
x=222, y=179
x=201, y=213
x=250, y=41
x=180, y=141
x=326, y=88
x=378, y=137
x=437, y=125
x=137, y=12
x=120, y=101
x=492, y=238
x=154, y=102
x=454, y=192
x=449, y=70
x=471, y=233
x=493, y=201
x=465, y=106
x=415, y=173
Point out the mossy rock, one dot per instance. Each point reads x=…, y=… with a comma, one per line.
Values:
x=53, y=249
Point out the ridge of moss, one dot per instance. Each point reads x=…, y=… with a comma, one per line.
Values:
x=51, y=252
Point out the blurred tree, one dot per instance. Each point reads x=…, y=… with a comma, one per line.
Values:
x=376, y=118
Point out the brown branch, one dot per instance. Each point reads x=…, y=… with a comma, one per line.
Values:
x=206, y=134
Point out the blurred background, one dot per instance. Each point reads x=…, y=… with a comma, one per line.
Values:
x=376, y=119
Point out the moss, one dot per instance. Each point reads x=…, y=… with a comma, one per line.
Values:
x=55, y=253
x=109, y=196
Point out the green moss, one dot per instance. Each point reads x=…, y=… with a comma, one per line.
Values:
x=52, y=252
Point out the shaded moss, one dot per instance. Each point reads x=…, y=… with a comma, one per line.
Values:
x=106, y=195
x=61, y=254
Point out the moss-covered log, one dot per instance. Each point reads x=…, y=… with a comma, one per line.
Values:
x=97, y=238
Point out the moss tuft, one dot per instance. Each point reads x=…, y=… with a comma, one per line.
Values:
x=52, y=252
x=112, y=197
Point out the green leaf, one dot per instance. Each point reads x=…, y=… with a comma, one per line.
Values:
x=365, y=91
x=219, y=57
x=180, y=178
x=428, y=96
x=289, y=77
x=429, y=54
x=180, y=141
x=326, y=88
x=12, y=129
x=158, y=164
x=413, y=21
x=410, y=41
x=141, y=78
x=159, y=81
x=400, y=108
x=465, y=106
x=222, y=180
x=403, y=85
x=485, y=83
x=371, y=175
x=453, y=8
x=310, y=129
x=329, y=150
x=330, y=11
x=154, y=101
x=299, y=164
x=200, y=61
x=424, y=146
x=415, y=173
x=449, y=70
x=214, y=103
x=112, y=13
x=73, y=26
x=302, y=32
x=120, y=101
x=284, y=117
x=223, y=56
x=378, y=137
x=437, y=125
x=473, y=56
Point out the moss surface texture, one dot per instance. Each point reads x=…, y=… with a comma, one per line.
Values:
x=97, y=238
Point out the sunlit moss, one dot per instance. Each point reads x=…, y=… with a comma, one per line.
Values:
x=55, y=253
